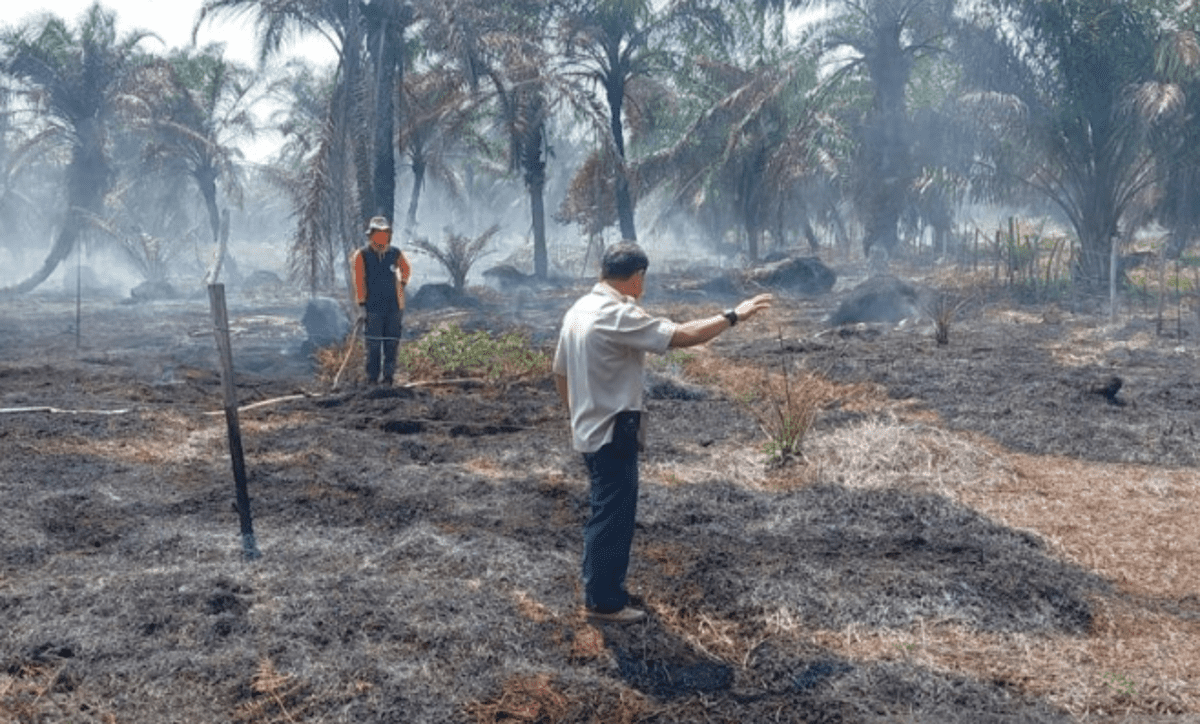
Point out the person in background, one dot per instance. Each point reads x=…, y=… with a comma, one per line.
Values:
x=381, y=272
x=598, y=370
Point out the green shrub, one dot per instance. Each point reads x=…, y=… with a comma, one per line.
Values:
x=450, y=351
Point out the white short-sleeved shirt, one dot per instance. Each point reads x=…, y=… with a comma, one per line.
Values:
x=601, y=349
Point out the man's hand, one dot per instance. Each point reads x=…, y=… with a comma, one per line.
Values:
x=751, y=307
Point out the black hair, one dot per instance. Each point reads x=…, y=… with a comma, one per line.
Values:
x=623, y=261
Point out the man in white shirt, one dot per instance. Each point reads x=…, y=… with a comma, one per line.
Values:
x=598, y=369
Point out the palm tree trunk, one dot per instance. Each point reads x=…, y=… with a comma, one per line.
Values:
x=814, y=245
x=207, y=182
x=88, y=177
x=888, y=165
x=357, y=114
x=384, y=177
x=1097, y=229
x=624, y=201
x=538, y=210
x=533, y=160
x=418, y=169
x=64, y=242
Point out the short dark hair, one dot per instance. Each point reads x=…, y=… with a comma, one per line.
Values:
x=623, y=261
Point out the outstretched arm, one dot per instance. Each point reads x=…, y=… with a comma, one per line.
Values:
x=703, y=330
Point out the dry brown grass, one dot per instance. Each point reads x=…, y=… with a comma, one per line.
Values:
x=909, y=454
x=1127, y=523
x=744, y=382
x=278, y=697
x=717, y=638
x=531, y=608
x=531, y=698
x=1130, y=523
x=667, y=556
x=23, y=693
x=32, y=694
x=587, y=643
x=1132, y=663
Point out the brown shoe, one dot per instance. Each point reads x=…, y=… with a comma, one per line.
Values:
x=623, y=616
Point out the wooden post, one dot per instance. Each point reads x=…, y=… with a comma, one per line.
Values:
x=216, y=298
x=1178, y=303
x=996, y=268
x=1114, y=258
x=975, y=253
x=78, y=294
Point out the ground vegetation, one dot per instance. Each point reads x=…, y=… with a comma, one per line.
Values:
x=972, y=532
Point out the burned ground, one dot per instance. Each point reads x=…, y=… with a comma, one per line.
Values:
x=966, y=540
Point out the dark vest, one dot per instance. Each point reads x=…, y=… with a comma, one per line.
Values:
x=381, y=278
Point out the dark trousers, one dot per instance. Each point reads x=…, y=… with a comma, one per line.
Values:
x=608, y=534
x=383, y=336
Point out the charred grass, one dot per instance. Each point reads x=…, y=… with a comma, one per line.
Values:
x=921, y=562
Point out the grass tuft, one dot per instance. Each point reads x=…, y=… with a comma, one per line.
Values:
x=277, y=697
x=943, y=309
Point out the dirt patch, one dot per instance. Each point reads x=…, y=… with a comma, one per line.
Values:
x=967, y=540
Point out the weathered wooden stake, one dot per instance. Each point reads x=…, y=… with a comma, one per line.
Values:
x=78, y=295
x=216, y=298
x=1113, y=257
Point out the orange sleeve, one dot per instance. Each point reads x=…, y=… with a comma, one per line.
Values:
x=403, y=272
x=405, y=268
x=360, y=277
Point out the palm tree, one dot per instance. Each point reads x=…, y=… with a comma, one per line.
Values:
x=458, y=253
x=1063, y=74
x=312, y=169
x=608, y=43
x=752, y=148
x=504, y=46
x=514, y=58
x=1174, y=97
x=199, y=106
x=436, y=115
x=754, y=138
x=359, y=135
x=80, y=71
x=886, y=38
x=336, y=193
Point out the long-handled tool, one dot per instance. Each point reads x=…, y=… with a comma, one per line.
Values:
x=349, y=351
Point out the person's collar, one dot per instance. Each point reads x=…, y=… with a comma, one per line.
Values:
x=603, y=287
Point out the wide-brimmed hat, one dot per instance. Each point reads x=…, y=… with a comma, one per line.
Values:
x=378, y=223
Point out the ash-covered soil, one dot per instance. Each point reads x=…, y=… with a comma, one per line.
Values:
x=1033, y=385
x=420, y=546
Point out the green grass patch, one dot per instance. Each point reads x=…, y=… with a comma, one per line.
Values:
x=451, y=351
